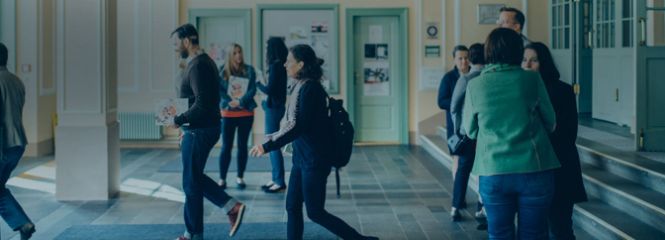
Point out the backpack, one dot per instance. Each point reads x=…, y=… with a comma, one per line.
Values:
x=342, y=136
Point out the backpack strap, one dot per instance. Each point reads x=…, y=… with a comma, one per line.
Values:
x=337, y=181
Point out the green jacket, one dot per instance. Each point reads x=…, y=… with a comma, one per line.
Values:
x=509, y=112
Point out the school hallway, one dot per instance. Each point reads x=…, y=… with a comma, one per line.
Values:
x=393, y=192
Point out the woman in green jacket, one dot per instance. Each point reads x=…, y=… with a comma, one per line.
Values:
x=509, y=112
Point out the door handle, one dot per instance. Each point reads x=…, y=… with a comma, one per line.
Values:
x=643, y=33
x=590, y=40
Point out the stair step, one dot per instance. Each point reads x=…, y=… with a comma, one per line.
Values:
x=607, y=222
x=619, y=207
x=636, y=200
x=647, y=172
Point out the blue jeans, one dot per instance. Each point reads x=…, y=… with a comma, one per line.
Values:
x=527, y=194
x=229, y=125
x=309, y=186
x=10, y=210
x=195, y=147
x=464, y=166
x=273, y=117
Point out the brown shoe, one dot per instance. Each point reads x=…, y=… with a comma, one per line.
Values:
x=235, y=217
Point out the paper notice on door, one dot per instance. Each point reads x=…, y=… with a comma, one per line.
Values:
x=376, y=78
x=167, y=109
x=375, y=34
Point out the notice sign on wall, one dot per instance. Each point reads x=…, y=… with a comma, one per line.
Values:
x=376, y=78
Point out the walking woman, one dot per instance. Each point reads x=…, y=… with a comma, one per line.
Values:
x=307, y=125
x=568, y=184
x=275, y=88
x=509, y=112
x=237, y=90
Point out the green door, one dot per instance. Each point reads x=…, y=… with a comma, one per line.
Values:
x=377, y=74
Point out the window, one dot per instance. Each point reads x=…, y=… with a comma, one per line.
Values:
x=604, y=24
x=561, y=14
x=627, y=39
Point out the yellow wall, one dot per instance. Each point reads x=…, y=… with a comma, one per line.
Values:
x=421, y=103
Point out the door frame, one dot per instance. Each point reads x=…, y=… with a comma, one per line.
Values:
x=647, y=134
x=245, y=13
x=402, y=14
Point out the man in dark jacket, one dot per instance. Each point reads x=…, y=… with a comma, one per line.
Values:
x=12, y=145
x=461, y=57
x=201, y=127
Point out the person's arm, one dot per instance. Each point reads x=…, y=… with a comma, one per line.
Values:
x=294, y=128
x=567, y=124
x=224, y=97
x=445, y=92
x=251, y=88
x=457, y=102
x=469, y=116
x=545, y=108
x=201, y=95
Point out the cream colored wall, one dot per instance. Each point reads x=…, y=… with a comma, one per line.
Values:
x=147, y=64
x=258, y=128
x=142, y=53
x=35, y=66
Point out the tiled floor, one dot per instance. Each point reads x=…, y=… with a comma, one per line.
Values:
x=390, y=192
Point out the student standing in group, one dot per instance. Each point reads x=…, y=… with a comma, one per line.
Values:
x=513, y=18
x=307, y=125
x=568, y=184
x=12, y=145
x=237, y=90
x=468, y=151
x=275, y=88
x=461, y=58
x=508, y=111
x=200, y=126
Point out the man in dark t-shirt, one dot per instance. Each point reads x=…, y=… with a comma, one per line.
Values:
x=200, y=131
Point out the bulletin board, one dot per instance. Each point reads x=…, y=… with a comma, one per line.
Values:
x=315, y=25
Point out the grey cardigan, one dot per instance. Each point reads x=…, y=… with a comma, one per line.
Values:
x=457, y=102
x=12, y=99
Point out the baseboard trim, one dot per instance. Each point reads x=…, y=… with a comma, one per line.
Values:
x=43, y=148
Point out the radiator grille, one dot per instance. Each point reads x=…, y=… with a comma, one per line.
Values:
x=138, y=126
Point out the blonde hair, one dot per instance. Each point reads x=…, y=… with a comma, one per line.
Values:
x=230, y=68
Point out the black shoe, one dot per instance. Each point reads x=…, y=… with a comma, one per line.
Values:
x=26, y=231
x=241, y=183
x=275, y=189
x=369, y=238
x=267, y=186
x=455, y=215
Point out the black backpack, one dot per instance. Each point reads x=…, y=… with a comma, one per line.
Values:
x=342, y=136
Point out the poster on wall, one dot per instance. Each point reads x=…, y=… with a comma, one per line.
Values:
x=376, y=81
x=316, y=27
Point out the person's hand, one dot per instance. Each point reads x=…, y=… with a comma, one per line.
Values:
x=234, y=104
x=257, y=151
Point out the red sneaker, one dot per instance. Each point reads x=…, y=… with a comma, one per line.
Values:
x=235, y=217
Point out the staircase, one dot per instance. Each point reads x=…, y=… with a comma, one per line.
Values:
x=626, y=190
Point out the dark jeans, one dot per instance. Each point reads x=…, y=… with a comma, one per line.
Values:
x=195, y=147
x=464, y=166
x=273, y=117
x=10, y=210
x=561, y=220
x=229, y=125
x=527, y=194
x=309, y=186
